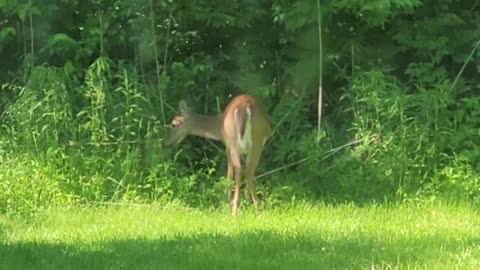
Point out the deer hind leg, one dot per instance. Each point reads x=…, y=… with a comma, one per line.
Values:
x=236, y=193
x=252, y=189
x=230, y=170
x=251, y=164
x=234, y=161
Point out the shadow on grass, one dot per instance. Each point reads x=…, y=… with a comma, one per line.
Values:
x=261, y=250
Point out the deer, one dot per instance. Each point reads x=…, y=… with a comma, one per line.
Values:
x=244, y=129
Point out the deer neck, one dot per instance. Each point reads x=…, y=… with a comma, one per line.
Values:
x=205, y=126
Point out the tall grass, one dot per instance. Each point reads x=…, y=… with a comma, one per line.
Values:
x=98, y=139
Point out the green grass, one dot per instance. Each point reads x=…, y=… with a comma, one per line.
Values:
x=301, y=237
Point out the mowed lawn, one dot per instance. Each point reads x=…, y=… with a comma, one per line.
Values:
x=297, y=237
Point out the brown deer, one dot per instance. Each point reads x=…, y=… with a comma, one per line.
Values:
x=243, y=128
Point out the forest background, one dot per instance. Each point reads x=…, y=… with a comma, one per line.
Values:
x=88, y=89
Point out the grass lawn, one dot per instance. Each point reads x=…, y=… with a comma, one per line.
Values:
x=300, y=237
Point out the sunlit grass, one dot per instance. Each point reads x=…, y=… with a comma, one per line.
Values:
x=301, y=237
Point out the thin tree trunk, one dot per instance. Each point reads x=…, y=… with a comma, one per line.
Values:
x=320, y=64
x=32, y=50
x=157, y=62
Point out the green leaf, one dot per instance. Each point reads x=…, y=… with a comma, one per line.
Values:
x=6, y=32
x=23, y=11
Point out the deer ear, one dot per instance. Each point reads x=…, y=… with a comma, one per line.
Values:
x=183, y=107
